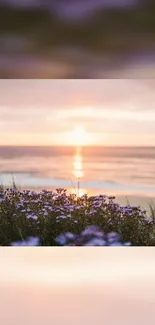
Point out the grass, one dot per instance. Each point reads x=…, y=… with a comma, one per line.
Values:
x=47, y=215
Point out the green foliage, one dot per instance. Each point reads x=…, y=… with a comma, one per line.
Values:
x=46, y=215
x=108, y=30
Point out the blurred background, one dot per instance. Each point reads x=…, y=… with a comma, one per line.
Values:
x=77, y=39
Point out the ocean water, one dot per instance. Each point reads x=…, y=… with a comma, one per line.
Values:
x=92, y=170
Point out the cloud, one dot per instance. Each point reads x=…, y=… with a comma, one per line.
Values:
x=130, y=94
x=49, y=107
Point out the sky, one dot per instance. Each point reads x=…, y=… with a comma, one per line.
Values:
x=63, y=287
x=115, y=112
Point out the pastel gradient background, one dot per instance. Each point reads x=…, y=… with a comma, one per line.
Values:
x=77, y=286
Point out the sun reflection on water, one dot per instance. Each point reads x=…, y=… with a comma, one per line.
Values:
x=78, y=164
x=78, y=172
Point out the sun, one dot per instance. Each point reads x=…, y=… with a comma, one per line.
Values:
x=79, y=136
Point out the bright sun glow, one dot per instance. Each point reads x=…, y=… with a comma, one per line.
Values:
x=79, y=136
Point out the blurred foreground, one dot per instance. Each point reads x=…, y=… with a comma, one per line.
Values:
x=36, y=42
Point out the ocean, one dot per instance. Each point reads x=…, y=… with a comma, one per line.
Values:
x=92, y=170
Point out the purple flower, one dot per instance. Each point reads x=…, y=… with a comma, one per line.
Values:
x=113, y=237
x=96, y=242
x=127, y=244
x=92, y=212
x=61, y=240
x=32, y=216
x=61, y=217
x=148, y=221
x=92, y=231
x=50, y=208
x=97, y=204
x=64, y=238
x=31, y=241
x=115, y=244
x=70, y=236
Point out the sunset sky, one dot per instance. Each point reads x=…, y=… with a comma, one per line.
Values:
x=63, y=286
x=77, y=112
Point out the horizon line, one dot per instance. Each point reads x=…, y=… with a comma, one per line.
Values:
x=76, y=146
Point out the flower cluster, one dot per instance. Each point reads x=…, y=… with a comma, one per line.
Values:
x=49, y=214
x=91, y=236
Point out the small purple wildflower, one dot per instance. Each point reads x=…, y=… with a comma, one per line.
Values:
x=91, y=231
x=96, y=238
x=31, y=241
x=127, y=244
x=96, y=242
x=149, y=221
x=61, y=217
x=32, y=216
x=61, y=240
x=92, y=212
x=65, y=238
x=113, y=237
